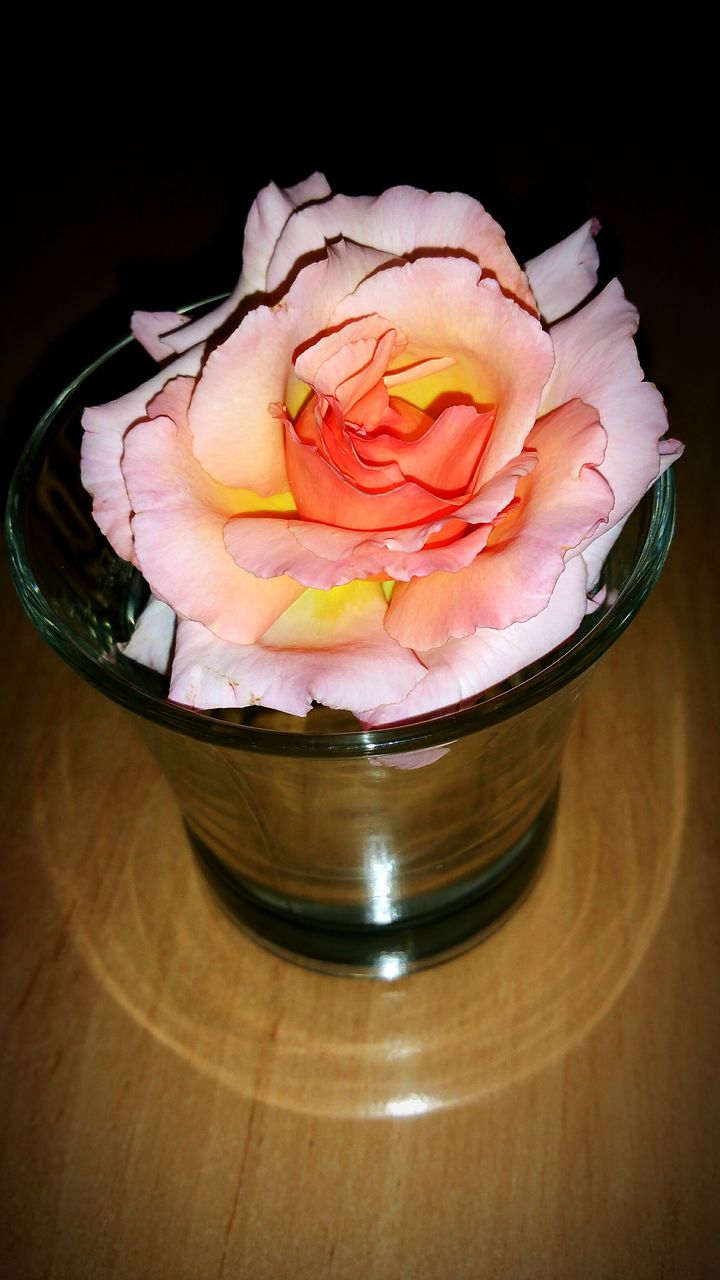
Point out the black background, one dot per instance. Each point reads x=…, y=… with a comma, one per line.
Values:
x=143, y=205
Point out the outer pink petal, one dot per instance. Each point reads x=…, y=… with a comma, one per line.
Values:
x=268, y=215
x=179, y=515
x=596, y=552
x=236, y=438
x=596, y=361
x=500, y=349
x=152, y=640
x=148, y=326
x=266, y=220
x=339, y=655
x=564, y=499
x=403, y=220
x=562, y=276
x=320, y=555
x=173, y=401
x=102, y=448
x=670, y=450
x=461, y=669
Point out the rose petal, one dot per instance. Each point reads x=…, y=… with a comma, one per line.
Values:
x=349, y=389
x=345, y=452
x=329, y=647
x=565, y=274
x=236, y=438
x=152, y=640
x=102, y=449
x=502, y=355
x=173, y=400
x=178, y=520
x=383, y=480
x=562, y=500
x=463, y=668
x=148, y=326
x=268, y=215
x=445, y=458
x=406, y=760
x=320, y=489
x=402, y=221
x=421, y=369
x=597, y=551
x=320, y=555
x=266, y=220
x=596, y=361
x=670, y=450
x=357, y=353
x=270, y=547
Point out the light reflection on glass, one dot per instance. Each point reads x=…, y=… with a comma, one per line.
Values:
x=381, y=889
x=392, y=965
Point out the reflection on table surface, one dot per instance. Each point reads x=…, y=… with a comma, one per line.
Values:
x=161, y=947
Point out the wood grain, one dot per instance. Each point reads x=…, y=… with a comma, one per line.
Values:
x=178, y=1103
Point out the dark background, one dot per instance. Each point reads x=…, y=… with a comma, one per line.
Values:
x=143, y=206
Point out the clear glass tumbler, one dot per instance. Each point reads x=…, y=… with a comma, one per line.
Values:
x=358, y=852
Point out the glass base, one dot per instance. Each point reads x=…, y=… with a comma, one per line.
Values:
x=433, y=929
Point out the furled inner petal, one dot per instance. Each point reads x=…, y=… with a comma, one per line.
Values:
x=319, y=555
x=502, y=356
x=350, y=376
x=359, y=459
x=321, y=492
x=422, y=368
x=445, y=458
x=350, y=392
x=329, y=647
x=236, y=437
x=336, y=357
x=322, y=427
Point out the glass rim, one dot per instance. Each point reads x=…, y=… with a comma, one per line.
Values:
x=548, y=674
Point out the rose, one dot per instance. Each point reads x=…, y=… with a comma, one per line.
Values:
x=393, y=481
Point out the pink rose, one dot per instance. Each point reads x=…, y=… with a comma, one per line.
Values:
x=393, y=484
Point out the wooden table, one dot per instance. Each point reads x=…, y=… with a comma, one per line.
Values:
x=177, y=1103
